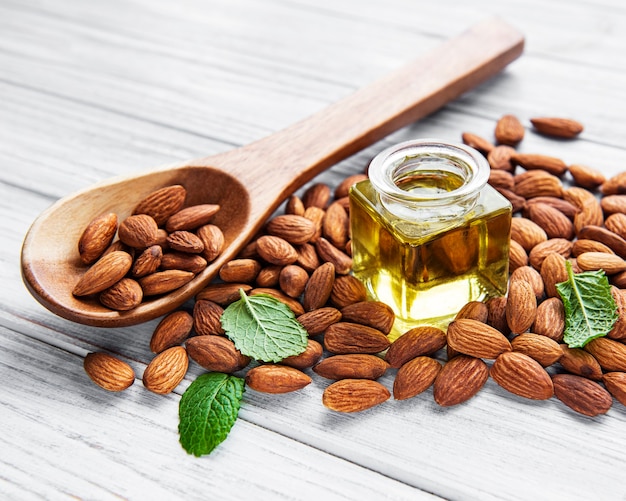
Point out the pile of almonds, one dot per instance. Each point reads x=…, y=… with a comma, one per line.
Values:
x=302, y=258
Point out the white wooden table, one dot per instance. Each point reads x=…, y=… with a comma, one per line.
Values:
x=89, y=90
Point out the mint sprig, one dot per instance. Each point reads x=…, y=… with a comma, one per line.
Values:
x=264, y=328
x=207, y=411
x=590, y=310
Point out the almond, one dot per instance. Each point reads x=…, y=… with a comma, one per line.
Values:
x=538, y=183
x=415, y=377
x=590, y=209
x=618, y=332
x=553, y=271
x=586, y=177
x=477, y=142
x=610, y=354
x=533, y=161
x=499, y=158
x=307, y=257
x=527, y=233
x=509, y=130
x=343, y=188
x=422, y=340
x=319, y=287
x=459, y=380
x=477, y=339
x=166, y=370
x=580, y=362
x=97, y=237
x=147, y=262
x=317, y=321
x=269, y=276
x=123, y=295
x=354, y=395
x=615, y=185
x=550, y=319
x=496, y=314
x=162, y=203
x=347, y=337
x=308, y=358
x=294, y=229
x=518, y=203
x=336, y=225
x=316, y=215
x=582, y=395
x=276, y=378
x=240, y=270
x=592, y=261
x=294, y=206
x=329, y=253
x=374, y=314
x=172, y=330
x=351, y=366
x=138, y=231
x=276, y=250
x=223, y=294
x=316, y=195
x=558, y=127
x=473, y=309
x=541, y=250
x=567, y=208
x=585, y=245
x=216, y=353
x=615, y=383
x=292, y=280
x=104, y=273
x=533, y=277
x=522, y=376
x=347, y=290
x=185, y=241
x=501, y=179
x=517, y=256
x=108, y=372
x=163, y=282
x=612, y=204
x=544, y=350
x=213, y=240
x=192, y=217
x=616, y=243
x=521, y=307
x=553, y=221
x=182, y=261
x=617, y=224
x=207, y=318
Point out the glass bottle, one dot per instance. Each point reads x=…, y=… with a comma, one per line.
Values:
x=428, y=233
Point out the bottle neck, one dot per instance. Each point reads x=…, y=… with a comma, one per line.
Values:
x=425, y=180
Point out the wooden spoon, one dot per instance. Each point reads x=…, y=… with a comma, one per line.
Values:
x=249, y=183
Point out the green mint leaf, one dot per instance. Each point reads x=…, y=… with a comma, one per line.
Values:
x=590, y=310
x=264, y=328
x=207, y=411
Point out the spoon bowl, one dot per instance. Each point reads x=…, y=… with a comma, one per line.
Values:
x=250, y=182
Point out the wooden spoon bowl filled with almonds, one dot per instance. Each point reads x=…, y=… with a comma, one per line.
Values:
x=234, y=192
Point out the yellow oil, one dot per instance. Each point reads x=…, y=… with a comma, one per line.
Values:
x=427, y=270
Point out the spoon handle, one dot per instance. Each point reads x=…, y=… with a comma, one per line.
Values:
x=289, y=158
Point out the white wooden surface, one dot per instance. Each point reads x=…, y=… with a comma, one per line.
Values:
x=89, y=90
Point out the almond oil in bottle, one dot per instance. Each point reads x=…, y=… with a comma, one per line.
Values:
x=428, y=233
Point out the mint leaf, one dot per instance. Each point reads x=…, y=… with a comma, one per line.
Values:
x=207, y=411
x=264, y=328
x=590, y=310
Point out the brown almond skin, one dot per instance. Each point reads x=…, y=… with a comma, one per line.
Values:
x=527, y=233
x=610, y=354
x=240, y=270
x=550, y=319
x=122, y=296
x=329, y=253
x=499, y=157
x=163, y=282
x=336, y=225
x=166, y=370
x=223, y=294
x=317, y=321
x=476, y=339
x=476, y=310
x=509, y=130
x=162, y=203
x=530, y=161
x=374, y=314
x=496, y=314
x=292, y=280
x=343, y=188
x=615, y=185
x=618, y=332
x=182, y=261
x=216, y=353
x=615, y=383
x=207, y=318
x=354, y=395
x=586, y=177
x=276, y=250
x=581, y=394
x=308, y=358
x=477, y=142
x=191, y=217
x=138, y=231
x=104, y=273
x=539, y=252
x=616, y=223
x=172, y=330
x=553, y=271
x=544, y=350
x=616, y=243
x=553, y=221
x=213, y=240
x=533, y=277
x=522, y=376
x=414, y=377
x=319, y=287
x=346, y=337
x=294, y=206
x=580, y=362
x=97, y=237
x=317, y=195
x=351, y=366
x=566, y=128
x=460, y=379
x=108, y=372
x=295, y=229
x=276, y=378
x=148, y=261
x=347, y=290
x=307, y=257
x=185, y=241
x=423, y=340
